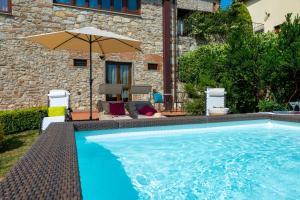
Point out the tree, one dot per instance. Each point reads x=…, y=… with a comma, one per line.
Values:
x=289, y=45
x=204, y=66
x=209, y=27
x=258, y=71
x=212, y=27
x=199, y=69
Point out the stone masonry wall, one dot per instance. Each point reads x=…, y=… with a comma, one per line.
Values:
x=203, y=5
x=28, y=71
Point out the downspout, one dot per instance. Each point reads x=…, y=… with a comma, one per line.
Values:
x=167, y=54
x=175, y=52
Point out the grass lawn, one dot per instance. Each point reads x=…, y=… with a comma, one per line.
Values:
x=13, y=148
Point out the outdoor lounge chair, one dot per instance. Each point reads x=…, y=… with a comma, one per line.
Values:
x=104, y=106
x=104, y=111
x=56, y=100
x=133, y=107
x=215, y=102
x=141, y=90
x=111, y=89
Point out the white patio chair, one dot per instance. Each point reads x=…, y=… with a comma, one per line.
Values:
x=57, y=98
x=215, y=101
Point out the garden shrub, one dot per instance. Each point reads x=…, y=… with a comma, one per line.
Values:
x=1, y=135
x=19, y=120
x=196, y=103
x=289, y=47
x=204, y=66
x=269, y=106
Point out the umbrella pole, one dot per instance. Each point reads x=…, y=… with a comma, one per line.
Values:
x=91, y=81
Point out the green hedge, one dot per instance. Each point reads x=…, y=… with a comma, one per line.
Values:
x=19, y=120
x=270, y=106
x=1, y=135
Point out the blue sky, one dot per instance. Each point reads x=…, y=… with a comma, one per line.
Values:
x=225, y=3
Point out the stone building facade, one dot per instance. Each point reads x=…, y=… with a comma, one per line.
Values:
x=28, y=71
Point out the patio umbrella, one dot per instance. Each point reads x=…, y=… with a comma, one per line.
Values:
x=87, y=39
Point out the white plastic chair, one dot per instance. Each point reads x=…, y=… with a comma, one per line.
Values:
x=215, y=101
x=56, y=98
x=59, y=98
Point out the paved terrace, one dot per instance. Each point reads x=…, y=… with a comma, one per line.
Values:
x=50, y=171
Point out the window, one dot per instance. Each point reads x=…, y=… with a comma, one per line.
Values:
x=94, y=4
x=80, y=3
x=183, y=29
x=152, y=66
x=126, y=6
x=5, y=6
x=119, y=73
x=105, y=4
x=80, y=63
x=132, y=5
x=63, y=1
x=118, y=5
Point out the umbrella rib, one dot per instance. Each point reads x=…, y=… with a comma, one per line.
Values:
x=96, y=39
x=119, y=41
x=89, y=39
x=102, y=40
x=100, y=47
x=64, y=42
x=127, y=44
x=76, y=36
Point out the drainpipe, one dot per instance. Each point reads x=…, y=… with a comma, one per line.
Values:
x=175, y=51
x=167, y=54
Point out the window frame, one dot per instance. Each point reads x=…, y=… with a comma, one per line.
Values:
x=152, y=66
x=9, y=8
x=124, y=6
x=118, y=76
x=80, y=63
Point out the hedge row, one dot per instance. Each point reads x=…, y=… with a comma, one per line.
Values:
x=19, y=120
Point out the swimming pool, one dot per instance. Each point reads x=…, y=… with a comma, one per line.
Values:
x=232, y=160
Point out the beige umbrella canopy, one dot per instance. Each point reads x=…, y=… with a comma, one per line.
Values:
x=102, y=42
x=87, y=39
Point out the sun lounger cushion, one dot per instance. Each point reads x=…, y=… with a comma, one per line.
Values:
x=48, y=120
x=103, y=106
x=216, y=92
x=134, y=106
x=117, y=108
x=113, y=117
x=131, y=109
x=56, y=111
x=58, y=93
x=218, y=111
x=156, y=115
x=147, y=110
x=140, y=104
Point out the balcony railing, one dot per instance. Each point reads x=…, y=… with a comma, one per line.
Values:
x=258, y=27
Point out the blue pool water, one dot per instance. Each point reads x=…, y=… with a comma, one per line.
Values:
x=233, y=160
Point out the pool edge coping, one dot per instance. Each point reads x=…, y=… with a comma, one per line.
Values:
x=49, y=170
